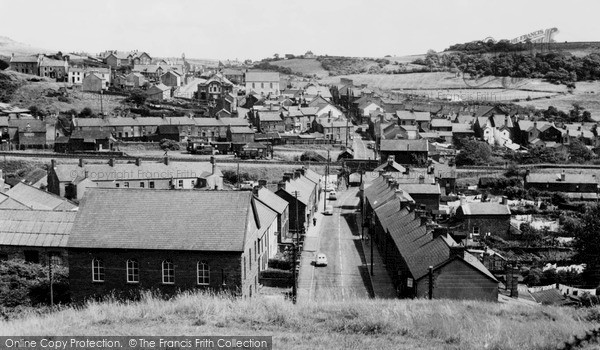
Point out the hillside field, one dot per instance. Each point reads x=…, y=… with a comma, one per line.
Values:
x=305, y=66
x=326, y=324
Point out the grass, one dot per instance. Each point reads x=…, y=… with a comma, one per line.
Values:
x=335, y=324
x=305, y=66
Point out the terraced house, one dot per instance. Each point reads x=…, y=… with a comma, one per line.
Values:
x=126, y=241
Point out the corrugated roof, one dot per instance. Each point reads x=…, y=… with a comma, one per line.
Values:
x=38, y=199
x=40, y=228
x=163, y=219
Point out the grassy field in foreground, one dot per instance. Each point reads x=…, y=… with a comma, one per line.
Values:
x=328, y=324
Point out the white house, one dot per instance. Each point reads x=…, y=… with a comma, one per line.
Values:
x=263, y=83
x=76, y=75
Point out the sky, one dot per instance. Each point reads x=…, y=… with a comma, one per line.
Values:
x=255, y=29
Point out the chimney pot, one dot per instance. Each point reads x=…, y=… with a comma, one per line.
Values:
x=111, y=161
x=166, y=160
x=81, y=162
x=138, y=161
x=281, y=185
x=563, y=176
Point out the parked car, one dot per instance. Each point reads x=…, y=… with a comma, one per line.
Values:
x=321, y=260
x=332, y=195
x=328, y=210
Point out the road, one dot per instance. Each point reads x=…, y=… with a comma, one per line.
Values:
x=346, y=275
x=361, y=151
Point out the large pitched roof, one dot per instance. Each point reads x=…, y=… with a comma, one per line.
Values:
x=569, y=178
x=486, y=208
x=262, y=76
x=404, y=145
x=39, y=199
x=146, y=170
x=38, y=228
x=140, y=219
x=273, y=201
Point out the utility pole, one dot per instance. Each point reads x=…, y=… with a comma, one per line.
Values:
x=50, y=278
x=101, y=108
x=238, y=175
x=326, y=176
x=294, y=245
x=347, y=132
x=430, y=282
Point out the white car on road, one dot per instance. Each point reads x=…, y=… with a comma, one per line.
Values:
x=321, y=260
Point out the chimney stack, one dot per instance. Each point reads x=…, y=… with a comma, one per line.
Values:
x=262, y=183
x=463, y=200
x=81, y=162
x=214, y=164
x=439, y=231
x=390, y=160
x=255, y=191
x=563, y=176
x=166, y=160
x=111, y=161
x=138, y=161
x=297, y=174
x=504, y=200
x=281, y=185
x=53, y=163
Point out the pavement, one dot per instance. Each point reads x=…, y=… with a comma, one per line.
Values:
x=381, y=281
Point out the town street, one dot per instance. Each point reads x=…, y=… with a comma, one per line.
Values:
x=361, y=151
x=346, y=274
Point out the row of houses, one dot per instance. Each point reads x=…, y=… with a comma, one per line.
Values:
x=124, y=239
x=420, y=256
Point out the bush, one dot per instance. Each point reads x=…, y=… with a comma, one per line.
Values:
x=280, y=264
x=25, y=284
x=275, y=273
x=169, y=145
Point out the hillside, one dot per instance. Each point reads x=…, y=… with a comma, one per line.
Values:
x=326, y=324
x=9, y=46
x=304, y=66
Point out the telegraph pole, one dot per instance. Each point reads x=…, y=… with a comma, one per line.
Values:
x=101, y=108
x=347, y=132
x=50, y=277
x=294, y=245
x=326, y=176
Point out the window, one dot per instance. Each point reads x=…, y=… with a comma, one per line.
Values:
x=126, y=184
x=168, y=272
x=409, y=282
x=141, y=185
x=133, y=271
x=203, y=274
x=180, y=183
x=475, y=230
x=117, y=185
x=151, y=184
x=193, y=183
x=97, y=270
x=244, y=267
x=249, y=258
x=55, y=259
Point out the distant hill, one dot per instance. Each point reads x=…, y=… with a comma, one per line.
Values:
x=9, y=46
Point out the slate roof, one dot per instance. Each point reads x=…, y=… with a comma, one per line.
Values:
x=390, y=167
x=549, y=297
x=569, y=178
x=262, y=76
x=418, y=188
x=312, y=176
x=27, y=125
x=273, y=201
x=39, y=199
x=462, y=128
x=35, y=228
x=91, y=134
x=417, y=116
x=8, y=203
x=486, y=208
x=303, y=186
x=270, y=116
x=146, y=170
x=404, y=145
x=139, y=219
x=24, y=59
x=440, y=123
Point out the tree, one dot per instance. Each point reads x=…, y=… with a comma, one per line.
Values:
x=587, y=244
x=474, y=153
x=276, y=56
x=579, y=152
x=4, y=65
x=86, y=112
x=138, y=97
x=169, y=145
